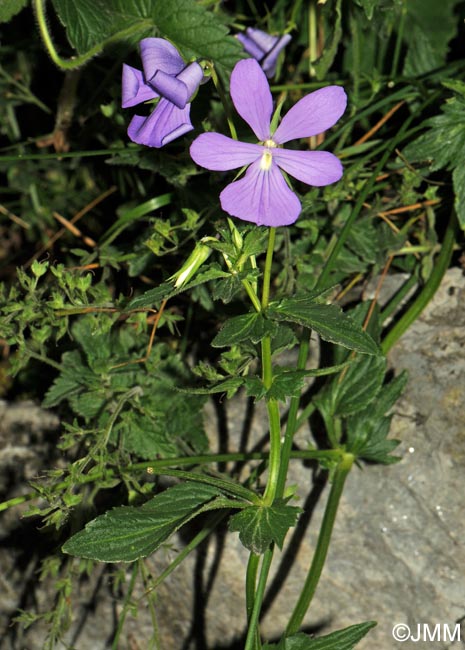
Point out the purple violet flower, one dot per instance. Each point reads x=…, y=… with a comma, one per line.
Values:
x=264, y=48
x=166, y=76
x=263, y=195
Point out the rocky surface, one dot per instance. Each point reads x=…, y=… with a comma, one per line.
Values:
x=398, y=550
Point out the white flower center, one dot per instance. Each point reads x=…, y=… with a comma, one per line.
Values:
x=267, y=157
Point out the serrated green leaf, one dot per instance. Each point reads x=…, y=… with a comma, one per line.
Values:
x=430, y=27
x=368, y=430
x=259, y=526
x=196, y=31
x=359, y=385
x=73, y=378
x=251, y=327
x=345, y=639
x=126, y=533
x=328, y=320
x=368, y=7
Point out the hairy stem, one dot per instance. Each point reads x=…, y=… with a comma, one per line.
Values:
x=322, y=546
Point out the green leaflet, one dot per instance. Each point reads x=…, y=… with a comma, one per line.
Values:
x=127, y=533
x=251, y=326
x=345, y=639
x=259, y=526
x=328, y=320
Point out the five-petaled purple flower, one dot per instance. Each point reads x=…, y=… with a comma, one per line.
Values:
x=165, y=75
x=264, y=48
x=263, y=195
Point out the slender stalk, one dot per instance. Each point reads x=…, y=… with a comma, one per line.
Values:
x=428, y=291
x=252, y=634
x=322, y=545
x=78, y=61
x=251, y=582
x=291, y=426
x=224, y=101
x=254, y=299
x=267, y=378
x=267, y=270
x=126, y=605
x=274, y=460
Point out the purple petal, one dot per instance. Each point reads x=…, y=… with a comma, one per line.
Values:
x=262, y=197
x=171, y=88
x=180, y=89
x=264, y=41
x=252, y=97
x=313, y=114
x=311, y=167
x=166, y=123
x=269, y=62
x=250, y=46
x=158, y=54
x=217, y=152
x=134, y=88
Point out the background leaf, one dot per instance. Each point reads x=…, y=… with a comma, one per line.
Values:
x=9, y=8
x=194, y=30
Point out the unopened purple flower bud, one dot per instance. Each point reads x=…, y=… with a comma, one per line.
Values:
x=264, y=48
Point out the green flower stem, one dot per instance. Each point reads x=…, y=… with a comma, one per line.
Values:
x=321, y=550
x=397, y=299
x=251, y=582
x=255, y=300
x=78, y=61
x=253, y=640
x=275, y=452
x=428, y=291
x=224, y=101
x=267, y=270
x=303, y=417
x=127, y=605
x=267, y=378
x=291, y=426
x=157, y=466
x=212, y=522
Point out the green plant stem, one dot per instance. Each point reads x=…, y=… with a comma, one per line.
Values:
x=126, y=606
x=254, y=299
x=78, y=61
x=394, y=303
x=157, y=466
x=274, y=460
x=430, y=288
x=226, y=105
x=253, y=639
x=291, y=425
x=321, y=550
x=212, y=522
x=267, y=269
x=250, y=587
